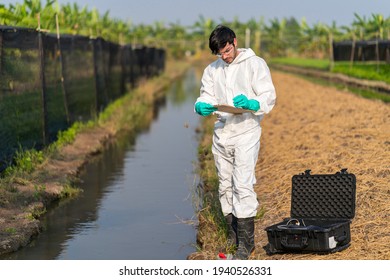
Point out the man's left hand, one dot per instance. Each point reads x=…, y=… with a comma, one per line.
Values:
x=241, y=101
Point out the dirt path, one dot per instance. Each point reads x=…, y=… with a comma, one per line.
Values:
x=325, y=129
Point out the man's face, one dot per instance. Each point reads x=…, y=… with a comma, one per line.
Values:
x=229, y=52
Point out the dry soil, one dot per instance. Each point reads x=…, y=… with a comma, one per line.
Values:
x=324, y=129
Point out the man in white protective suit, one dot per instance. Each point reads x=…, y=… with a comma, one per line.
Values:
x=240, y=79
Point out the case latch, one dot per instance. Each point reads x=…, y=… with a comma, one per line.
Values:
x=307, y=172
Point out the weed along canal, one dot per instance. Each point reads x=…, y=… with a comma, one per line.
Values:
x=138, y=195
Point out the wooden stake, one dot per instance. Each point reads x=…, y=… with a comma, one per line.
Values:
x=39, y=21
x=351, y=59
x=62, y=72
x=331, y=51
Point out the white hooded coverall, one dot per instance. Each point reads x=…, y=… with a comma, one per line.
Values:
x=236, y=139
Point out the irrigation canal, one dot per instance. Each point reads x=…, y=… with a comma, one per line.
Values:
x=138, y=201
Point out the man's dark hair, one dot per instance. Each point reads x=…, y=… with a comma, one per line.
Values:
x=220, y=36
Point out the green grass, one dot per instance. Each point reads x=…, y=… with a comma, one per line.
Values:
x=68, y=136
x=25, y=161
x=361, y=70
x=10, y=230
x=369, y=94
x=364, y=70
x=319, y=64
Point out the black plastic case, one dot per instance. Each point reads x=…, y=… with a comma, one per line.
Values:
x=322, y=207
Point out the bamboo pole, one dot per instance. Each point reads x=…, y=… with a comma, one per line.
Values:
x=377, y=51
x=331, y=52
x=1, y=52
x=39, y=21
x=258, y=41
x=62, y=72
x=352, y=51
x=360, y=49
x=41, y=52
x=247, y=38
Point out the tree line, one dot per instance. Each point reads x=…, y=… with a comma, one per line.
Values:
x=278, y=37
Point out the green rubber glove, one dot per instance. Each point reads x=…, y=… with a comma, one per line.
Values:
x=204, y=109
x=241, y=101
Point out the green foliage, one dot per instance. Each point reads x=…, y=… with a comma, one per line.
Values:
x=368, y=71
x=361, y=70
x=278, y=37
x=25, y=161
x=70, y=191
x=10, y=230
x=36, y=212
x=209, y=209
x=39, y=191
x=260, y=213
x=385, y=97
x=69, y=135
x=320, y=64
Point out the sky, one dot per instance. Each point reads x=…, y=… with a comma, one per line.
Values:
x=187, y=12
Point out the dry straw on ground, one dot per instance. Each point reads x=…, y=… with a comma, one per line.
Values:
x=325, y=129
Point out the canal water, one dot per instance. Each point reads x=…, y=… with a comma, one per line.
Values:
x=138, y=200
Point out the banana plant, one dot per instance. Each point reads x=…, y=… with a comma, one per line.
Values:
x=202, y=29
x=275, y=37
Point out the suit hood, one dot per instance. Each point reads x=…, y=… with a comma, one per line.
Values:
x=243, y=55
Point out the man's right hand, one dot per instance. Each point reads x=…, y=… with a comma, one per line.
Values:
x=204, y=109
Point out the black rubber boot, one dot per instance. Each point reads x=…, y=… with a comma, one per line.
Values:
x=231, y=222
x=246, y=238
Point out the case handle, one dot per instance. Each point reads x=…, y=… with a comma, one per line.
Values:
x=294, y=241
x=342, y=238
x=307, y=172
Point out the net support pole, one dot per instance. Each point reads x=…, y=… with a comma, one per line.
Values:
x=96, y=74
x=43, y=90
x=123, y=69
x=45, y=131
x=1, y=52
x=62, y=72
